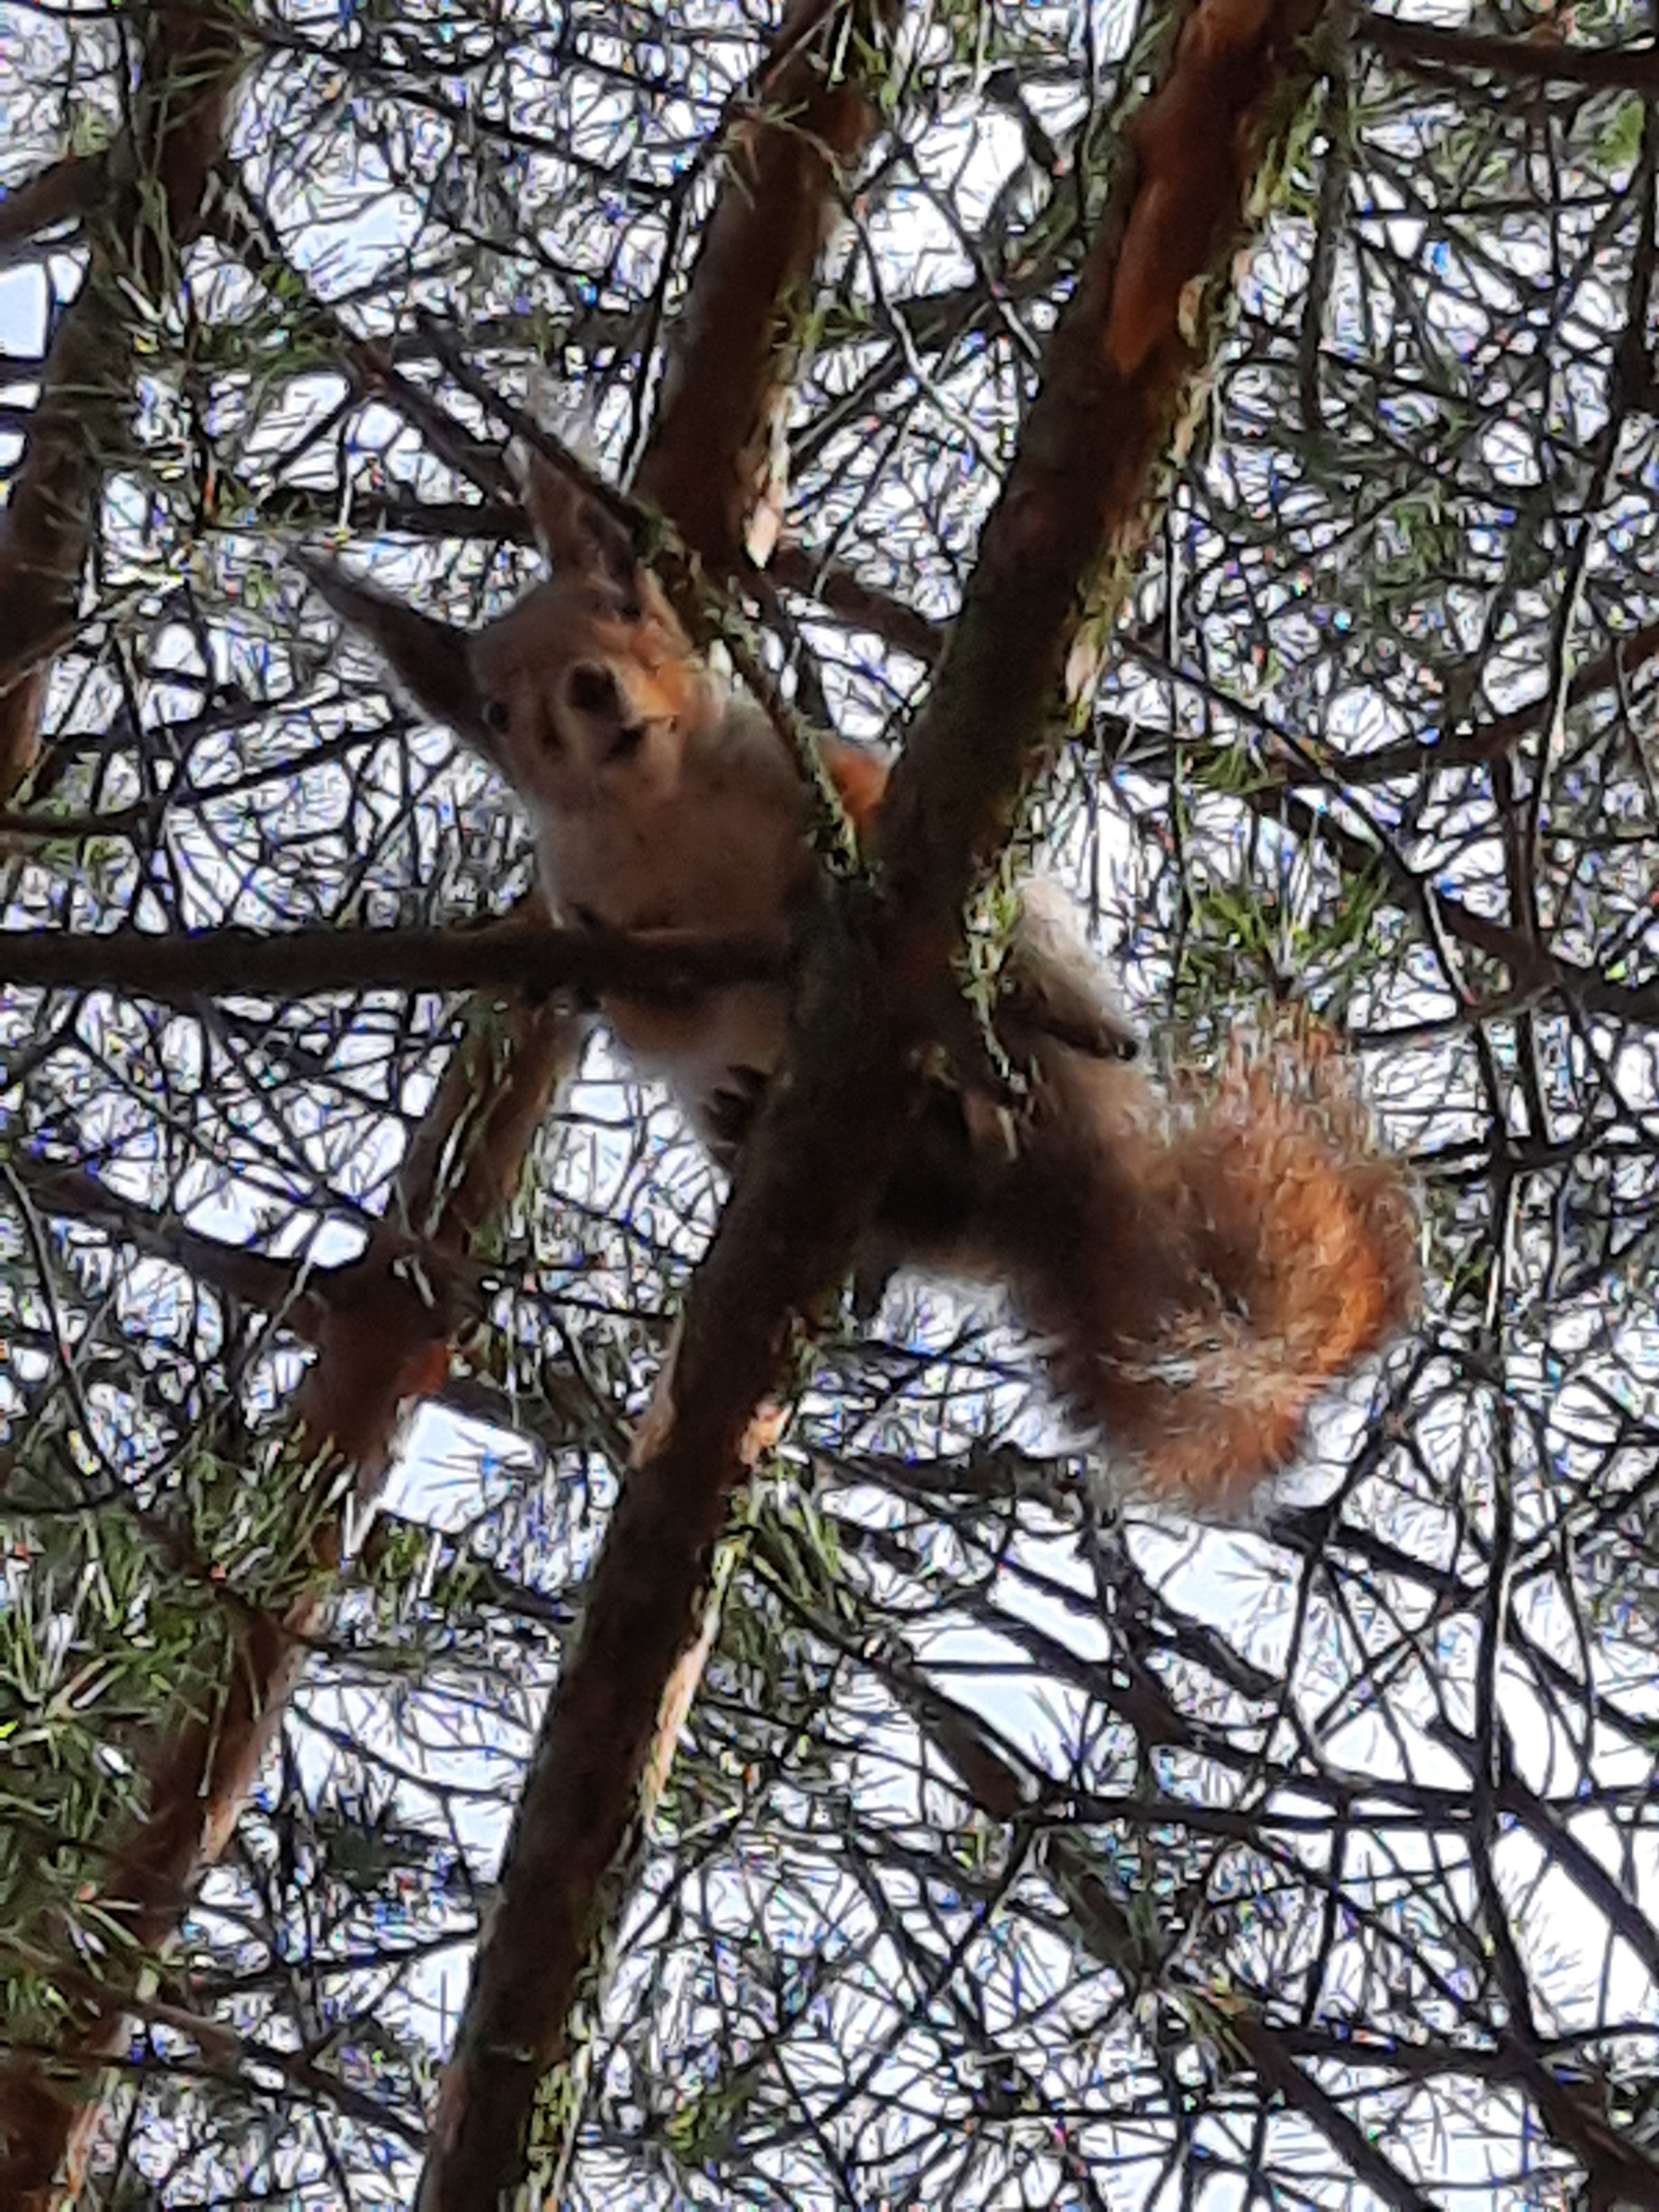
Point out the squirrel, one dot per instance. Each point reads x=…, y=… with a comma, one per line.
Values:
x=1196, y=1266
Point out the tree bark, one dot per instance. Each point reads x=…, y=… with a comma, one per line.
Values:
x=1119, y=385
x=181, y=114
x=182, y=966
x=383, y=1343
x=787, y=150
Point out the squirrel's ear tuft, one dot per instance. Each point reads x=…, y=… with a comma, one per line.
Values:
x=578, y=535
x=429, y=661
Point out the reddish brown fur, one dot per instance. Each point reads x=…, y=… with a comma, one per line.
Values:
x=861, y=779
x=1228, y=1254
x=1199, y=1267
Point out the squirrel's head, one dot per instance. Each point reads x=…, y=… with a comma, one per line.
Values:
x=583, y=693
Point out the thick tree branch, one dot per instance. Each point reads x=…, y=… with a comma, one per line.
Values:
x=383, y=1335
x=709, y=462
x=857, y=603
x=62, y=192
x=1120, y=378
x=708, y=465
x=524, y=956
x=378, y=1348
x=157, y=176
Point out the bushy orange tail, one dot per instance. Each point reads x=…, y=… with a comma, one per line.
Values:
x=1234, y=1252
x=1202, y=1267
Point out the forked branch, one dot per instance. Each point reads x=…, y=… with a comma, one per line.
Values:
x=1119, y=378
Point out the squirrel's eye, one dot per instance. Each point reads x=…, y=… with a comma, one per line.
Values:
x=496, y=716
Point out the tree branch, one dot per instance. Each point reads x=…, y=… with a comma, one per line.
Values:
x=524, y=956
x=1487, y=741
x=383, y=1336
x=1304, y=2094
x=710, y=460
x=1121, y=376
x=236, y=1271
x=374, y=370
x=159, y=172
x=1612, y=69
x=1533, y=969
x=64, y=192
